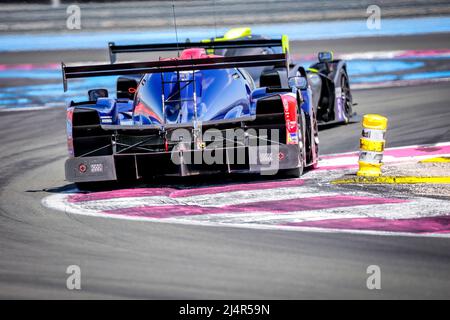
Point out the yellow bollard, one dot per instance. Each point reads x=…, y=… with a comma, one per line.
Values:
x=371, y=145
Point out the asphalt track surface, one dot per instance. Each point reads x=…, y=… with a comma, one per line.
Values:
x=131, y=259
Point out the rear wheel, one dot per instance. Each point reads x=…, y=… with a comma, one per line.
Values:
x=297, y=172
x=346, y=97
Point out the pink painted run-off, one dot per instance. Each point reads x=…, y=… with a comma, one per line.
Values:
x=438, y=224
x=414, y=151
x=423, y=53
x=382, y=54
x=399, y=153
x=29, y=66
x=418, y=151
x=276, y=206
x=339, y=156
x=180, y=193
x=340, y=167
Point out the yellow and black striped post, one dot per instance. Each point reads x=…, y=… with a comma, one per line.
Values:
x=372, y=145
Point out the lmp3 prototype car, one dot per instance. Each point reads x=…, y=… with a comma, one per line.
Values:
x=195, y=114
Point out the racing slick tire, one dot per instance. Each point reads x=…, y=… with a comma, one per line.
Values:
x=346, y=96
x=315, y=141
x=297, y=172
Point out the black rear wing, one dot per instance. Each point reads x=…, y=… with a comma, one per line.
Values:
x=73, y=72
x=207, y=44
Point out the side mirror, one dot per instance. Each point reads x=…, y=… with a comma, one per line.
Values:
x=298, y=82
x=94, y=94
x=325, y=56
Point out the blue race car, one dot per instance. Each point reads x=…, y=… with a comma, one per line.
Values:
x=195, y=114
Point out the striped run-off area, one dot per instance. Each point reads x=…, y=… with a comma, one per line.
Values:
x=310, y=203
